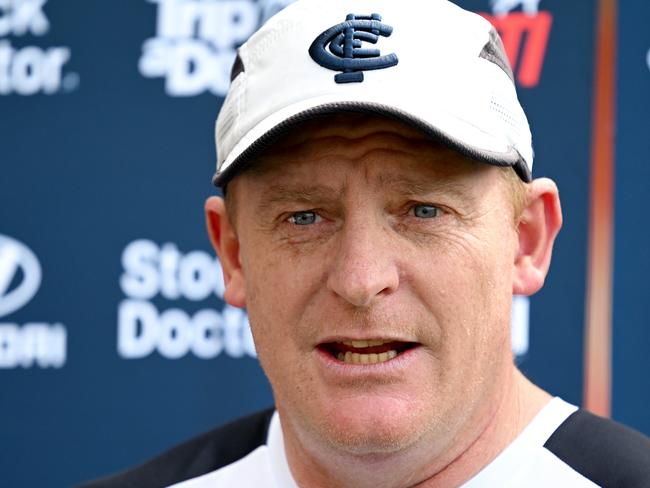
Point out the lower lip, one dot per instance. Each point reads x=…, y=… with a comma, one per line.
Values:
x=399, y=363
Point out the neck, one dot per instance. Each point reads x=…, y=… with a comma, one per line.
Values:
x=473, y=448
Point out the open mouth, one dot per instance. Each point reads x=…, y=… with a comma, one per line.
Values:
x=366, y=351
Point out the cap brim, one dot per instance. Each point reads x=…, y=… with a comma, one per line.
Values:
x=474, y=143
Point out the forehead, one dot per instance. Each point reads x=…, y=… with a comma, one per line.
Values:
x=385, y=147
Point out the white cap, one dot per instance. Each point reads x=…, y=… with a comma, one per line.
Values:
x=428, y=63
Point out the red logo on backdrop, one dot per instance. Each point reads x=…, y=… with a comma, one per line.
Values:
x=525, y=38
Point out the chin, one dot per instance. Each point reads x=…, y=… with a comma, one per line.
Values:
x=373, y=426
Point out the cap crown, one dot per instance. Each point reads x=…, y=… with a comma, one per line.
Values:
x=427, y=61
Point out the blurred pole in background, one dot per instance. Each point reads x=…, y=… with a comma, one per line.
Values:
x=598, y=313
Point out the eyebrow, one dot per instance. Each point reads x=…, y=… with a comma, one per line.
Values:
x=401, y=184
x=302, y=193
x=408, y=185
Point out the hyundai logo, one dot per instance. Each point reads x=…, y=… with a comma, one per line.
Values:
x=20, y=275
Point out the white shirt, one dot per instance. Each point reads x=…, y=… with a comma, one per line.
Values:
x=524, y=463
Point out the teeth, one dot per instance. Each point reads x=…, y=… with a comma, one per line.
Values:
x=362, y=344
x=356, y=358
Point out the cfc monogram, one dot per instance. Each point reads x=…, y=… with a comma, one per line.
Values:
x=346, y=52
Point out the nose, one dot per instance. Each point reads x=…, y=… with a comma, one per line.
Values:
x=364, y=268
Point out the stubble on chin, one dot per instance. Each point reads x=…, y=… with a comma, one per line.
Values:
x=376, y=436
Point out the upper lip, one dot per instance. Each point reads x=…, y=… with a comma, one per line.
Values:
x=365, y=337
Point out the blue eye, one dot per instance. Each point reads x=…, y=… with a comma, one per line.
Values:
x=303, y=218
x=426, y=211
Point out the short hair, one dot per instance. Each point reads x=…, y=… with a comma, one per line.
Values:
x=518, y=191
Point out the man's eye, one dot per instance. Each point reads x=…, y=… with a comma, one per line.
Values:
x=303, y=218
x=426, y=211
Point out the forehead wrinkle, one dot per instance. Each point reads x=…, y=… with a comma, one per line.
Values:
x=422, y=166
x=422, y=173
x=413, y=175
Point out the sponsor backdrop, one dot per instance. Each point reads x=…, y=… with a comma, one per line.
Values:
x=114, y=339
x=631, y=311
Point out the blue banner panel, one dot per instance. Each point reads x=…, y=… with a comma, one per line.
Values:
x=631, y=325
x=115, y=342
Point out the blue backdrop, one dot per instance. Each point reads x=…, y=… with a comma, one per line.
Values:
x=114, y=340
x=631, y=317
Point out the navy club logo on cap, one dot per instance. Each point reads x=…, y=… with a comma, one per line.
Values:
x=346, y=53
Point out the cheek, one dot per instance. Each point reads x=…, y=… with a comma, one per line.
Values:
x=278, y=297
x=471, y=308
x=279, y=290
x=472, y=297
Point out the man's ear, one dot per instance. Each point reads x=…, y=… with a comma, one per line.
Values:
x=226, y=244
x=538, y=226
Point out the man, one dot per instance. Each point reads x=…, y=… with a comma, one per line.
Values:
x=379, y=215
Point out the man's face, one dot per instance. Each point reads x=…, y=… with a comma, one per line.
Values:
x=357, y=232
